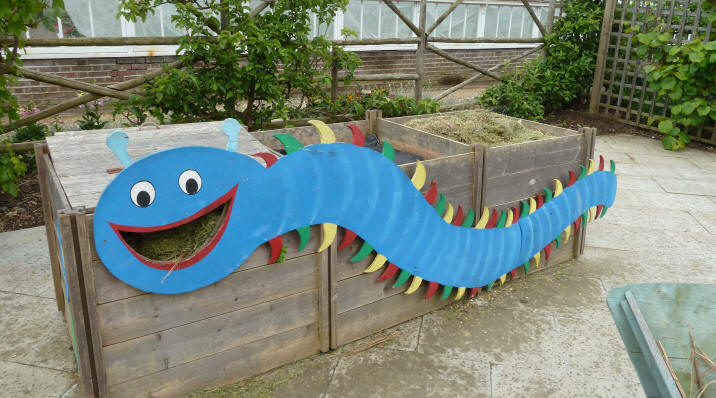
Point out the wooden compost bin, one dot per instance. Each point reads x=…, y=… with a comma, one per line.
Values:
x=131, y=343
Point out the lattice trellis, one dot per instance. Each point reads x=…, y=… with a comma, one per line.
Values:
x=620, y=87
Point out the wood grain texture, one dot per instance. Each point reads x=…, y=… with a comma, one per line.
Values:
x=137, y=316
x=70, y=252
x=224, y=367
x=514, y=187
x=531, y=155
x=324, y=298
x=308, y=135
x=425, y=145
x=169, y=348
x=90, y=303
x=48, y=216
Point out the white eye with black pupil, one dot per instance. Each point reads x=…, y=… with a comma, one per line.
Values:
x=142, y=193
x=190, y=182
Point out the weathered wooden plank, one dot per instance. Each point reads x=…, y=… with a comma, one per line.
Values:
x=225, y=367
x=546, y=128
x=110, y=288
x=379, y=315
x=48, y=217
x=449, y=172
x=425, y=145
x=70, y=250
x=333, y=289
x=186, y=343
x=509, y=188
x=308, y=135
x=324, y=306
x=515, y=158
x=363, y=289
x=92, y=320
x=58, y=198
x=149, y=313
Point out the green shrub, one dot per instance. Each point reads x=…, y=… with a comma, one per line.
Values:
x=355, y=105
x=684, y=74
x=91, y=116
x=550, y=83
x=253, y=69
x=12, y=168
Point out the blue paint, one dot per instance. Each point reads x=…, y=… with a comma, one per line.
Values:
x=118, y=142
x=231, y=129
x=339, y=183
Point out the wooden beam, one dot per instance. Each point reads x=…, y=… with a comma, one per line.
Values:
x=518, y=40
x=21, y=146
x=418, y=32
x=334, y=75
x=69, y=83
x=420, y=52
x=99, y=41
x=366, y=42
x=443, y=16
x=447, y=56
x=601, y=56
x=534, y=17
x=126, y=85
x=479, y=74
x=384, y=76
x=256, y=11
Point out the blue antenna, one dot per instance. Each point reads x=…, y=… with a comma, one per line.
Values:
x=231, y=128
x=118, y=142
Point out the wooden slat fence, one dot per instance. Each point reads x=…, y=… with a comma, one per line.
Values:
x=620, y=86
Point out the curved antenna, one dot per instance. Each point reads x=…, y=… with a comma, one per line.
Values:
x=117, y=142
x=232, y=128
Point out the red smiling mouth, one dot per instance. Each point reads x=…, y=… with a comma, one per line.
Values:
x=225, y=203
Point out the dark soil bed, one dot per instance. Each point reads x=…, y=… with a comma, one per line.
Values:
x=25, y=210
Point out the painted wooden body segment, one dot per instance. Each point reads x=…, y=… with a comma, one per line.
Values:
x=335, y=184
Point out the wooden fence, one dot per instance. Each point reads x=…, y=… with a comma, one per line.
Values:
x=620, y=87
x=423, y=41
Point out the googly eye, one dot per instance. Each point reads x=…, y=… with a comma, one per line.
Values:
x=190, y=182
x=142, y=193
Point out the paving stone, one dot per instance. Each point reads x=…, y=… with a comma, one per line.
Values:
x=691, y=187
x=18, y=380
x=33, y=332
x=25, y=264
x=674, y=220
x=656, y=200
x=706, y=220
x=641, y=170
x=623, y=237
x=637, y=183
x=618, y=157
x=511, y=381
x=406, y=337
x=663, y=160
x=394, y=373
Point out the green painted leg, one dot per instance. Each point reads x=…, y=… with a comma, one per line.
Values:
x=446, y=292
x=363, y=252
x=304, y=233
x=402, y=278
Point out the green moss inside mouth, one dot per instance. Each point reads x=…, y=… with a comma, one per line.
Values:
x=179, y=243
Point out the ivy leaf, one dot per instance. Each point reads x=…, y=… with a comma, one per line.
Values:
x=641, y=50
x=676, y=93
x=675, y=110
x=696, y=57
x=688, y=107
x=673, y=50
x=669, y=143
x=665, y=126
x=668, y=83
x=704, y=110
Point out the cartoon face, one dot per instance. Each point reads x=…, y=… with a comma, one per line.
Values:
x=188, y=194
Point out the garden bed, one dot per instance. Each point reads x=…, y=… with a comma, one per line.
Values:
x=133, y=343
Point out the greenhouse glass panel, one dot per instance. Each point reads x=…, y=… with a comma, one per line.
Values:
x=503, y=25
x=443, y=30
x=471, y=28
x=371, y=19
x=457, y=21
x=76, y=19
x=408, y=9
x=169, y=28
x=352, y=16
x=388, y=21
x=46, y=28
x=492, y=21
x=516, y=21
x=152, y=26
x=104, y=18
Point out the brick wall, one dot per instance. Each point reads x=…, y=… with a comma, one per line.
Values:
x=105, y=71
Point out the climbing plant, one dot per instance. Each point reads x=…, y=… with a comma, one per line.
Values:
x=684, y=74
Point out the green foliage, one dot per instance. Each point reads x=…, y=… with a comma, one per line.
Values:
x=553, y=82
x=685, y=74
x=355, y=104
x=16, y=16
x=132, y=111
x=11, y=169
x=257, y=68
x=91, y=116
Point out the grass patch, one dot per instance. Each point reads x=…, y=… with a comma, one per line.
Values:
x=478, y=127
x=177, y=243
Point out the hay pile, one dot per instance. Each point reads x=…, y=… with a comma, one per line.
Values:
x=477, y=127
x=178, y=243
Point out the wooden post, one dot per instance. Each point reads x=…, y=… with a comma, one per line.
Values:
x=479, y=174
x=52, y=242
x=70, y=251
x=372, y=116
x=69, y=83
x=534, y=17
x=333, y=294
x=84, y=236
x=590, y=135
x=334, y=75
x=324, y=300
x=420, y=52
x=601, y=56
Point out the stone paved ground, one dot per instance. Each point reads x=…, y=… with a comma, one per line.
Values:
x=550, y=334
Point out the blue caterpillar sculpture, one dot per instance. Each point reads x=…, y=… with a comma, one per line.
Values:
x=333, y=184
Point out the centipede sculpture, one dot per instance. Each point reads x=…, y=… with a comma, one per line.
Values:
x=347, y=185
